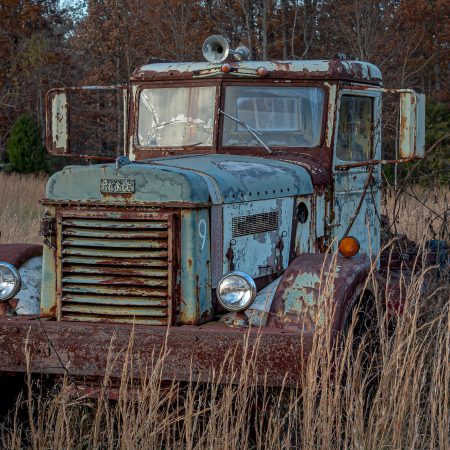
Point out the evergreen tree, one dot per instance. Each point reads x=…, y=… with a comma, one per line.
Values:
x=25, y=150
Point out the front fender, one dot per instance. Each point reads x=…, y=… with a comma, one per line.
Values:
x=27, y=259
x=313, y=285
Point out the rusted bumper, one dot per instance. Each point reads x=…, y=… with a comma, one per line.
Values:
x=82, y=349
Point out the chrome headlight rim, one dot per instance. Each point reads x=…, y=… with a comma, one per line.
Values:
x=251, y=285
x=17, y=280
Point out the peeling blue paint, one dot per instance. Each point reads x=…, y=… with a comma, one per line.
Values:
x=196, y=179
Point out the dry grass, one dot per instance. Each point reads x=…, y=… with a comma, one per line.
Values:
x=19, y=208
x=410, y=402
x=419, y=211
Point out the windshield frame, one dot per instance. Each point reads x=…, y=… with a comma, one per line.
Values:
x=151, y=151
x=279, y=148
x=141, y=152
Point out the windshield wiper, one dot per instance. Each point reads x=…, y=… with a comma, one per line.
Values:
x=252, y=131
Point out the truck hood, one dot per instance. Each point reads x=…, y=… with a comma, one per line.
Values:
x=197, y=179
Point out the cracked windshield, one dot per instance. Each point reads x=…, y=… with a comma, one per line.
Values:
x=176, y=117
x=279, y=116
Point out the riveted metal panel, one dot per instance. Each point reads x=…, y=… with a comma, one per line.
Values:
x=263, y=253
x=245, y=178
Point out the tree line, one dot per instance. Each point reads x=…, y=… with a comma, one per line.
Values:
x=48, y=43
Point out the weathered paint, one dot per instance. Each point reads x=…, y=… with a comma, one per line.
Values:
x=304, y=229
x=244, y=178
x=349, y=189
x=412, y=125
x=153, y=184
x=83, y=349
x=195, y=300
x=314, y=286
x=17, y=254
x=49, y=285
x=30, y=290
x=256, y=253
x=197, y=179
x=319, y=213
x=312, y=69
x=58, y=117
x=60, y=123
x=331, y=115
x=27, y=259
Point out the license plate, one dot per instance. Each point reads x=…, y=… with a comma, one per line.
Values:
x=117, y=186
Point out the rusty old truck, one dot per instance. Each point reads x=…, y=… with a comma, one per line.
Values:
x=238, y=183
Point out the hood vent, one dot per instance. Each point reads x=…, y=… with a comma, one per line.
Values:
x=255, y=223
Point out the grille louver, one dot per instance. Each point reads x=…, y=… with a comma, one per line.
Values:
x=255, y=223
x=115, y=267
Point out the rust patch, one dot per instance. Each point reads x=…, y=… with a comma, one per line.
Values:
x=295, y=303
x=83, y=348
x=17, y=254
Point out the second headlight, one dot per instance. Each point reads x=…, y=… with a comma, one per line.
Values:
x=236, y=291
x=9, y=281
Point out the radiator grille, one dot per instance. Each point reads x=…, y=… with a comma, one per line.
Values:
x=256, y=223
x=115, y=268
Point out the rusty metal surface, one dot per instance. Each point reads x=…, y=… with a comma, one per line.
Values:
x=320, y=173
x=316, y=160
x=195, y=305
x=192, y=351
x=115, y=266
x=301, y=69
x=356, y=191
x=313, y=286
x=17, y=254
x=196, y=179
x=257, y=253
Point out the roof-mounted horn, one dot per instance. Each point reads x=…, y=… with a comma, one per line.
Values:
x=216, y=50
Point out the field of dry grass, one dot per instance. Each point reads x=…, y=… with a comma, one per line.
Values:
x=20, y=208
x=406, y=376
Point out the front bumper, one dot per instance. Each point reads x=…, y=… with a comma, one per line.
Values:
x=191, y=352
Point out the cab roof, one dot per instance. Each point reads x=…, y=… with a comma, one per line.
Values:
x=335, y=69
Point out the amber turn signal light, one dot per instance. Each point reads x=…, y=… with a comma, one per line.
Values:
x=226, y=68
x=262, y=71
x=349, y=246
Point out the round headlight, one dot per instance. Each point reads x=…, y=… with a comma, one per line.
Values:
x=236, y=291
x=9, y=281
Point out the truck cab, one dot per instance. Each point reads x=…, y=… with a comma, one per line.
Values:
x=242, y=188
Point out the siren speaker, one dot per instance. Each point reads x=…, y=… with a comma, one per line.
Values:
x=216, y=49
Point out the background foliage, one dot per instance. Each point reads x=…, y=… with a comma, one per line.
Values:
x=47, y=43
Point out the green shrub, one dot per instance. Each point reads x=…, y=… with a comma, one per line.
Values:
x=25, y=150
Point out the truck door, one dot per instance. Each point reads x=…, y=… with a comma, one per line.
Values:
x=356, y=206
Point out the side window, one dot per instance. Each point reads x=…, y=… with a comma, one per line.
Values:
x=355, y=130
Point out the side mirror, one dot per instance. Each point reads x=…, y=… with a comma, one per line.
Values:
x=412, y=125
x=88, y=121
x=57, y=123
